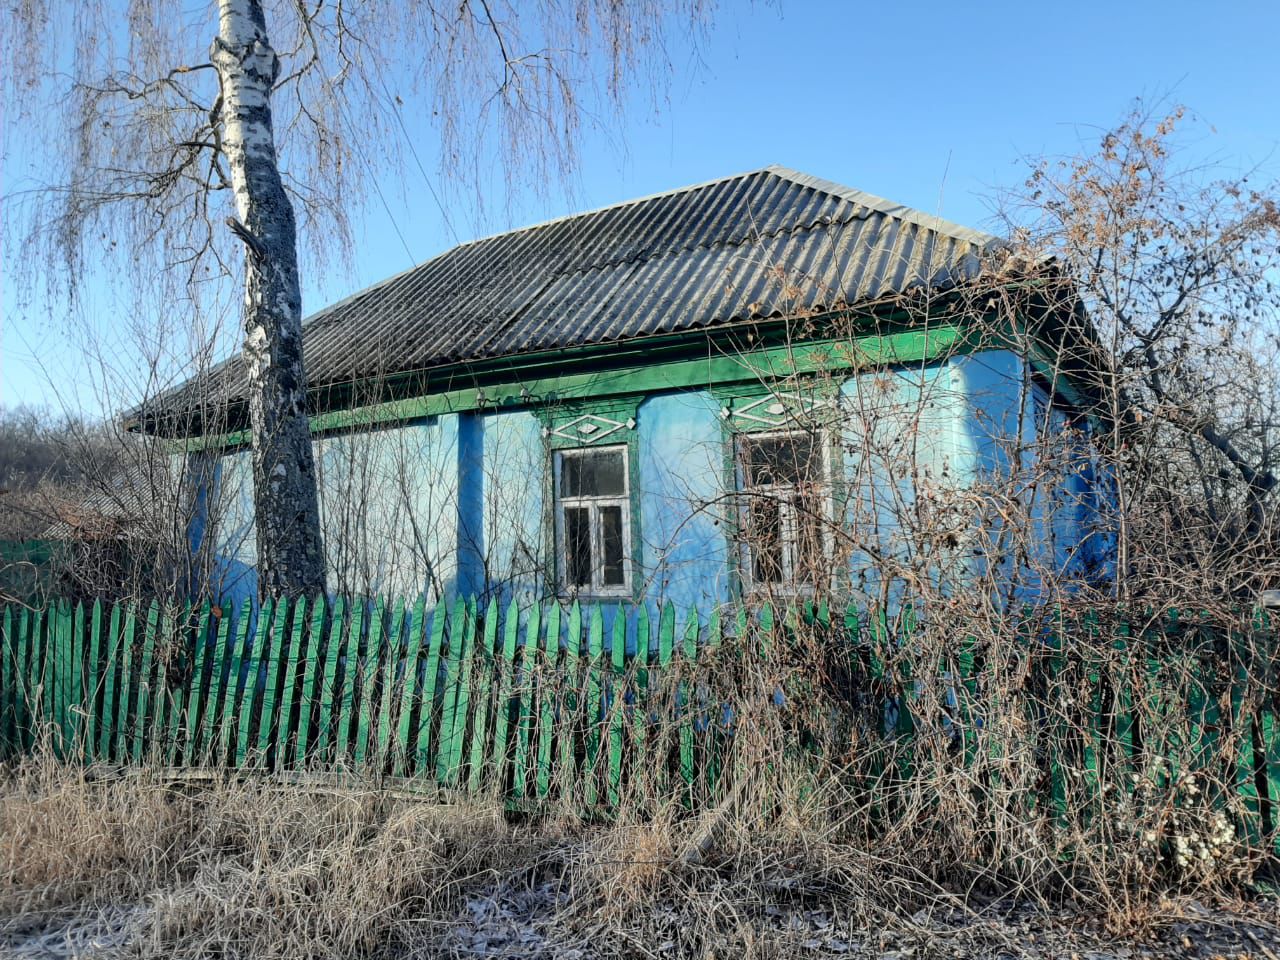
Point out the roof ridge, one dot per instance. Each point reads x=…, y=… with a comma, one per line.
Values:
x=880, y=204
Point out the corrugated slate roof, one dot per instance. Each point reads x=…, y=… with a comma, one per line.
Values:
x=768, y=243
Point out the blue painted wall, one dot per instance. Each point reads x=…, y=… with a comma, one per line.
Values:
x=458, y=502
x=682, y=470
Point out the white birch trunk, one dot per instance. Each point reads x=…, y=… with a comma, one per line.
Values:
x=290, y=553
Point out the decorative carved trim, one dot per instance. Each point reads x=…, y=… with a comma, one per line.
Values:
x=777, y=409
x=588, y=429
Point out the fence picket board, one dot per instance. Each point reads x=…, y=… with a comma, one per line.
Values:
x=767, y=623
x=659, y=747
x=966, y=691
x=274, y=643
x=145, y=681
x=451, y=747
x=391, y=668
x=93, y=686
x=568, y=720
x=195, y=700
x=29, y=677
x=34, y=674
x=74, y=694
x=16, y=626
x=176, y=695
x=206, y=731
x=524, y=729
x=617, y=658
x=546, y=690
x=1269, y=763
x=1242, y=727
x=715, y=733
x=503, y=705
x=251, y=668
x=329, y=681
x=1126, y=725
x=1093, y=725
x=431, y=677
x=462, y=707
x=369, y=675
x=8, y=688
x=45, y=646
x=409, y=687
x=689, y=654
x=310, y=669
x=21, y=691
x=160, y=687
x=479, y=725
x=639, y=726
x=295, y=660
x=231, y=700
x=128, y=654
x=24, y=655
x=452, y=682
x=350, y=680
x=57, y=669
x=595, y=651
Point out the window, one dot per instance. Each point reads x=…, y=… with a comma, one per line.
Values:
x=593, y=521
x=783, y=477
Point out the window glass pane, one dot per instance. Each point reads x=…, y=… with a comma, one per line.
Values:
x=764, y=539
x=788, y=460
x=611, y=545
x=592, y=473
x=577, y=547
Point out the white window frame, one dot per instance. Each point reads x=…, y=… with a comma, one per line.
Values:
x=787, y=586
x=597, y=588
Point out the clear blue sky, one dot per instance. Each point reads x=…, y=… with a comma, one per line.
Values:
x=930, y=104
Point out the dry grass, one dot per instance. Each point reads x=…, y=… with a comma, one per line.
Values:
x=245, y=868
x=257, y=868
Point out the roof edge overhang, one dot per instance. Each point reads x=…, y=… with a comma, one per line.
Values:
x=1050, y=329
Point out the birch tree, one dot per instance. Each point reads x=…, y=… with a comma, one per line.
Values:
x=184, y=148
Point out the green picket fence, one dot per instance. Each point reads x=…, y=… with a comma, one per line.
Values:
x=543, y=702
x=529, y=701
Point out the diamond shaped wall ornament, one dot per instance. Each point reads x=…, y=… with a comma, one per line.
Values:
x=590, y=428
x=778, y=409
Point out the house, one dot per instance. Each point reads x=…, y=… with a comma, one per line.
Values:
x=732, y=388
